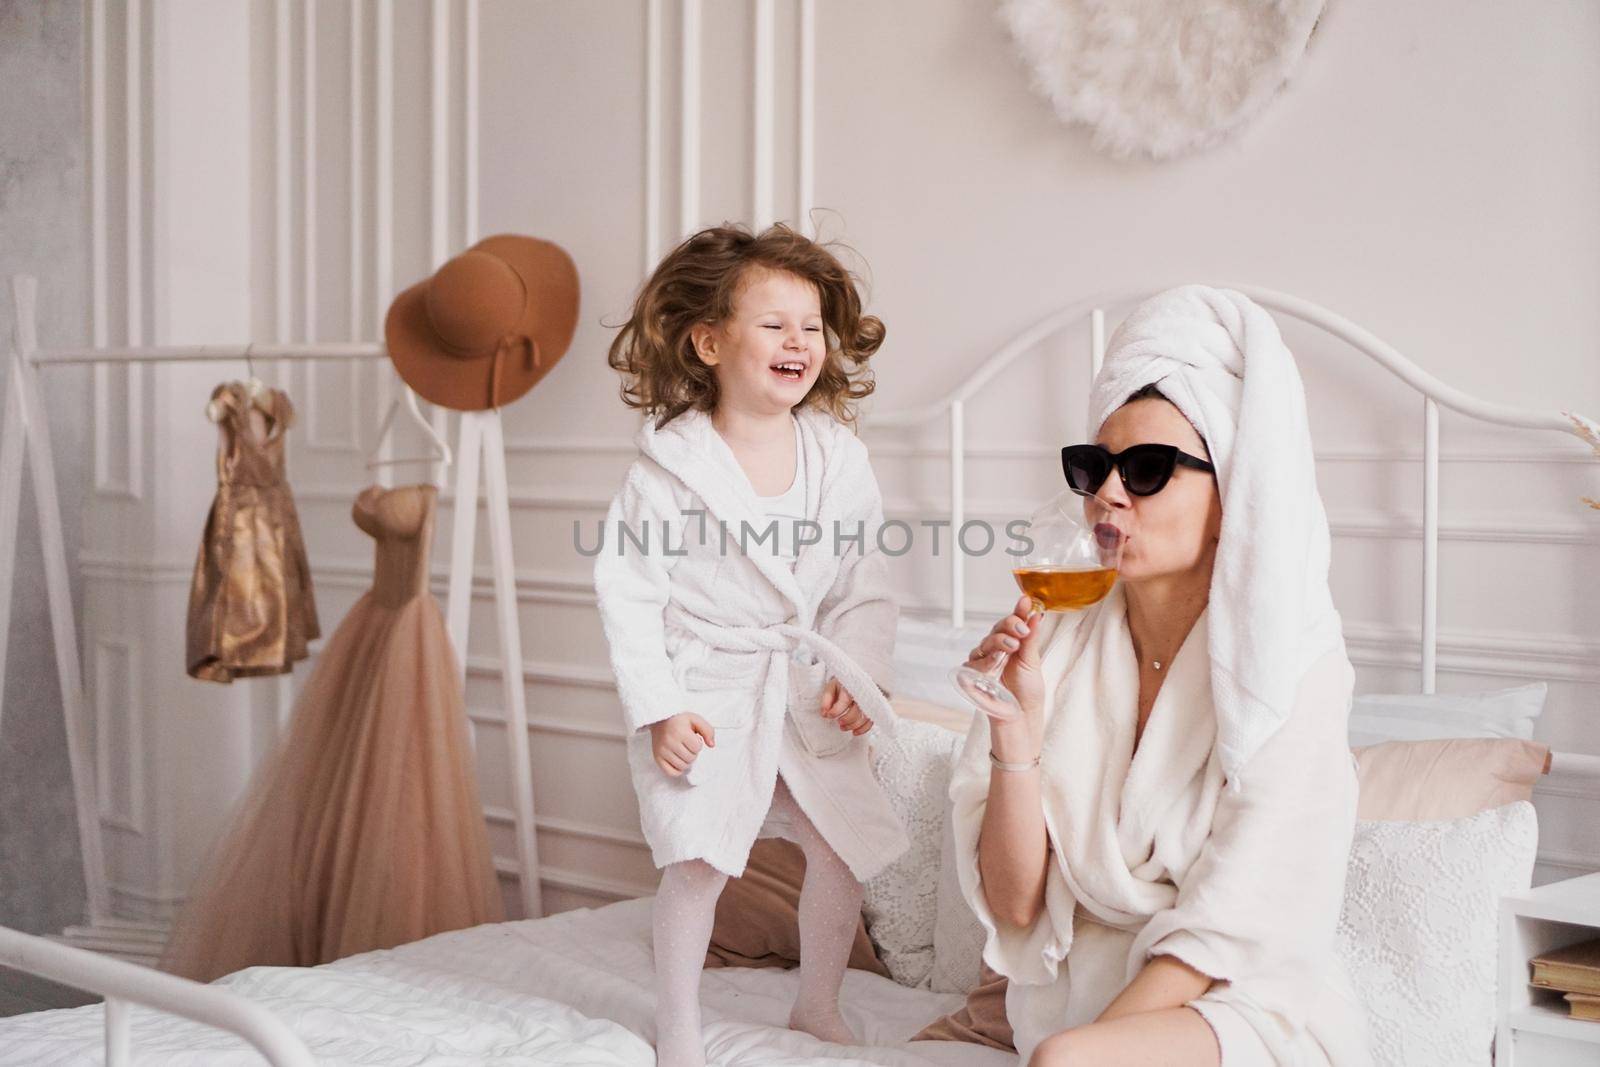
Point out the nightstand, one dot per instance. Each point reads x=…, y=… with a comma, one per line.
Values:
x=1532, y=1026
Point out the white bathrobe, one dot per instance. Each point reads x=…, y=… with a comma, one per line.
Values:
x=1150, y=855
x=1223, y=841
x=745, y=642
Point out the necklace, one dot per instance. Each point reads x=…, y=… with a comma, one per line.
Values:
x=1155, y=664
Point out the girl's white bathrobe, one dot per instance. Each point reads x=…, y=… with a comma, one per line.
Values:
x=737, y=637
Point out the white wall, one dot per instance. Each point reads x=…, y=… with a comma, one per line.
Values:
x=1430, y=173
x=42, y=232
x=167, y=99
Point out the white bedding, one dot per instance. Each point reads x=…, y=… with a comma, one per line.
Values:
x=572, y=989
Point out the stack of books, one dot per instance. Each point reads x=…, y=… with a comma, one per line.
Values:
x=1575, y=972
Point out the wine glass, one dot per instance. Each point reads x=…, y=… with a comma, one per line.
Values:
x=1073, y=564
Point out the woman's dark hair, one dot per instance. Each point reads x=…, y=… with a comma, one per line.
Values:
x=1153, y=392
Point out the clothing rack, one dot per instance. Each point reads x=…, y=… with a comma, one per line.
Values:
x=25, y=437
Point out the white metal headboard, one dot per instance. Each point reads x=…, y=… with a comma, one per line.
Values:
x=952, y=407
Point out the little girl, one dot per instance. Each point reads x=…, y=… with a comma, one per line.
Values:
x=746, y=604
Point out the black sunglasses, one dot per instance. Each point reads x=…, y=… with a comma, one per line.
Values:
x=1145, y=469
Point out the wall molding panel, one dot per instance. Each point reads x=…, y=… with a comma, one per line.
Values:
x=497, y=816
x=605, y=890
x=806, y=147
x=763, y=97
x=123, y=165
x=116, y=699
x=689, y=75
x=651, y=90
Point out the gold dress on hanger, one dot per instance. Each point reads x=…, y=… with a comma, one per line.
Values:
x=364, y=829
x=251, y=610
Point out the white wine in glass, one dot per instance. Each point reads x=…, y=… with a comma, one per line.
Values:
x=1073, y=564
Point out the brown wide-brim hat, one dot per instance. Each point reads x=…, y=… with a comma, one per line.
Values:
x=487, y=325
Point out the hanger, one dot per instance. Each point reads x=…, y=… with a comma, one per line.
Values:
x=258, y=392
x=407, y=400
x=260, y=395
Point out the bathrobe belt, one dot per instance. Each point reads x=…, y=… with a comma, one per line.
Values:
x=786, y=639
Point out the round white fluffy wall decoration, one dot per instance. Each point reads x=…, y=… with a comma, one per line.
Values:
x=1159, y=78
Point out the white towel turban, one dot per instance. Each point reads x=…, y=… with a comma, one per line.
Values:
x=1220, y=359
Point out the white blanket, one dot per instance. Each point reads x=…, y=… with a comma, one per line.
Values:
x=731, y=633
x=571, y=989
x=1152, y=856
x=1220, y=359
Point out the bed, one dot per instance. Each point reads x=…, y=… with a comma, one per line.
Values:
x=574, y=988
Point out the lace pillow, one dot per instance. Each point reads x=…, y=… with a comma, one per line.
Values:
x=1418, y=930
x=898, y=904
x=957, y=934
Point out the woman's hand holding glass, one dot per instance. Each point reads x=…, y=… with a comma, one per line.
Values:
x=1072, y=564
x=1014, y=644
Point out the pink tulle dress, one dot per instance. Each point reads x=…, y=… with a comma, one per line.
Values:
x=364, y=829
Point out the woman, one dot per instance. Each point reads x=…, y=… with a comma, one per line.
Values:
x=1156, y=847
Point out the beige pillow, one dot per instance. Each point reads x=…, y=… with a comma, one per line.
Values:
x=957, y=719
x=1450, y=778
x=982, y=1020
x=757, y=921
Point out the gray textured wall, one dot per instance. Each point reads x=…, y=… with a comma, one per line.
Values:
x=43, y=224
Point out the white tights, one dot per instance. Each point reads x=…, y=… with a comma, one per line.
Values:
x=685, y=904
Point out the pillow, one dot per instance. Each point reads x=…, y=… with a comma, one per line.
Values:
x=898, y=904
x=982, y=1020
x=1446, y=779
x=958, y=719
x=958, y=936
x=1418, y=930
x=1414, y=717
x=925, y=652
x=757, y=921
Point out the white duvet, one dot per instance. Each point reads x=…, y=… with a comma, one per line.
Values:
x=572, y=989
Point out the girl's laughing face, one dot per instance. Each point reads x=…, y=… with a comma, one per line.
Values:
x=767, y=355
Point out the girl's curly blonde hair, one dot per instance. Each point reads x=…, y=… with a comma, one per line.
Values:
x=697, y=283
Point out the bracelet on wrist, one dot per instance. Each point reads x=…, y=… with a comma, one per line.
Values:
x=1005, y=766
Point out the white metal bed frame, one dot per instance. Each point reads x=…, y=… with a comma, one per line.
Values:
x=124, y=984
x=121, y=982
